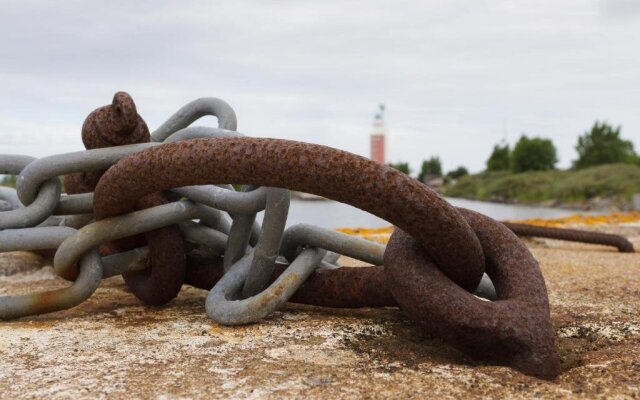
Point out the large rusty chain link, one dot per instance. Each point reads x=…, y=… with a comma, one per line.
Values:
x=159, y=209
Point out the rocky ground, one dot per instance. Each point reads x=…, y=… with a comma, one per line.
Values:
x=113, y=347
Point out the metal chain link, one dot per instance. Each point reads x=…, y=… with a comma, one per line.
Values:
x=38, y=201
x=251, y=269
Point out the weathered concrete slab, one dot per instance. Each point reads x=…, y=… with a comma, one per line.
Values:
x=113, y=347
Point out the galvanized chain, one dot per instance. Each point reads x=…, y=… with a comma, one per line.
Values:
x=252, y=269
x=38, y=217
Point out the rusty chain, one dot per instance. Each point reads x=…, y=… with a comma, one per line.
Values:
x=158, y=209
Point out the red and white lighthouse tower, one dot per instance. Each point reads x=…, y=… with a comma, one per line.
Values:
x=378, y=137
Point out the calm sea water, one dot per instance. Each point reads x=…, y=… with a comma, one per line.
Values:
x=331, y=214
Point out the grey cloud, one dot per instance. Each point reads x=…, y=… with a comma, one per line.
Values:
x=451, y=72
x=621, y=8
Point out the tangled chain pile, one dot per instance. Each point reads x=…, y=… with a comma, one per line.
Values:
x=159, y=209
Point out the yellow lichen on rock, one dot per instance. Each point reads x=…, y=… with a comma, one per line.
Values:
x=615, y=218
x=380, y=235
x=383, y=234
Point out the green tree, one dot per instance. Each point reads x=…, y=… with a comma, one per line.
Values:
x=457, y=173
x=535, y=154
x=499, y=159
x=603, y=145
x=401, y=166
x=8, y=180
x=432, y=166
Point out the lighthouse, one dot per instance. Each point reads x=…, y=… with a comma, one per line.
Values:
x=378, y=137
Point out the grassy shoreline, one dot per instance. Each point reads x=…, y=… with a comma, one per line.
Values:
x=601, y=187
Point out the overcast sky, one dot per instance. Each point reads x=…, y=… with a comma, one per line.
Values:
x=456, y=76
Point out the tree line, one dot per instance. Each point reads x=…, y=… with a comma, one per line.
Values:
x=8, y=180
x=602, y=144
x=431, y=168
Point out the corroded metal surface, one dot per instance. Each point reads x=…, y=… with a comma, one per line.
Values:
x=515, y=330
x=203, y=271
x=573, y=235
x=118, y=124
x=115, y=124
x=321, y=170
x=161, y=282
x=351, y=287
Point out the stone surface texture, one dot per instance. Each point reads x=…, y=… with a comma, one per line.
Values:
x=114, y=347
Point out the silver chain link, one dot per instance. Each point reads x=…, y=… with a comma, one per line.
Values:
x=216, y=218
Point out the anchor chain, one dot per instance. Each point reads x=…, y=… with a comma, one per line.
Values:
x=158, y=208
x=114, y=125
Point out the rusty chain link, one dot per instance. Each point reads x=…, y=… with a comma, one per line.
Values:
x=158, y=208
